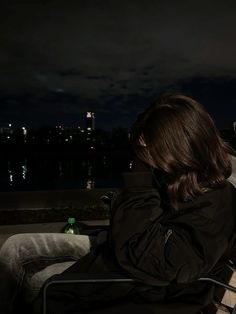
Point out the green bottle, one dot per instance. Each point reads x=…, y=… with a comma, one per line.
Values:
x=71, y=227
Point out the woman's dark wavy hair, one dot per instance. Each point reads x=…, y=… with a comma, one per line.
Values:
x=181, y=140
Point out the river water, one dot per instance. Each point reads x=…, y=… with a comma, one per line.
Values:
x=48, y=172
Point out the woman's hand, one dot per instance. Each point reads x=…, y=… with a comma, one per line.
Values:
x=142, y=142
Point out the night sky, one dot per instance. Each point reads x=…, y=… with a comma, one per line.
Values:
x=59, y=59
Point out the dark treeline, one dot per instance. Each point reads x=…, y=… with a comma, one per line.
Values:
x=63, y=139
x=73, y=140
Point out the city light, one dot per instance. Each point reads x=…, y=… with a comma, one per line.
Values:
x=89, y=114
x=24, y=131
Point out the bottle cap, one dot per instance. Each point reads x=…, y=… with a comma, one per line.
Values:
x=71, y=220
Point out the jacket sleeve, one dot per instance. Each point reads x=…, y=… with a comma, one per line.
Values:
x=148, y=250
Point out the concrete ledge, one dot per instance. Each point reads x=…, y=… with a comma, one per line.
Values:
x=47, y=215
x=52, y=206
x=79, y=198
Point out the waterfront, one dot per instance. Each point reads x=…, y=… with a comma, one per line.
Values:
x=44, y=171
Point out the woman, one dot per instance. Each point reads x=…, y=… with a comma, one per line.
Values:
x=174, y=219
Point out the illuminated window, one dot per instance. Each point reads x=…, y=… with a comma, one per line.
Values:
x=89, y=114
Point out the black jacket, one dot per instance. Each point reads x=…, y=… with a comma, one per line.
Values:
x=164, y=249
x=160, y=245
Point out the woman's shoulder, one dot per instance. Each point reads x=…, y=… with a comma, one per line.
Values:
x=212, y=202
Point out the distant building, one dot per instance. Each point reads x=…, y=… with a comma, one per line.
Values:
x=6, y=132
x=24, y=133
x=90, y=121
x=90, y=125
x=6, y=129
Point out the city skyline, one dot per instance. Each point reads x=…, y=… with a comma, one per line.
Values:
x=59, y=59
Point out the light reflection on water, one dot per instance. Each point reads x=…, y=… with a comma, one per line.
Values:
x=9, y=169
x=31, y=173
x=24, y=169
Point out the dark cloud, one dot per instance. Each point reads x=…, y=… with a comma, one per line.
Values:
x=97, y=77
x=216, y=94
x=98, y=54
x=70, y=72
